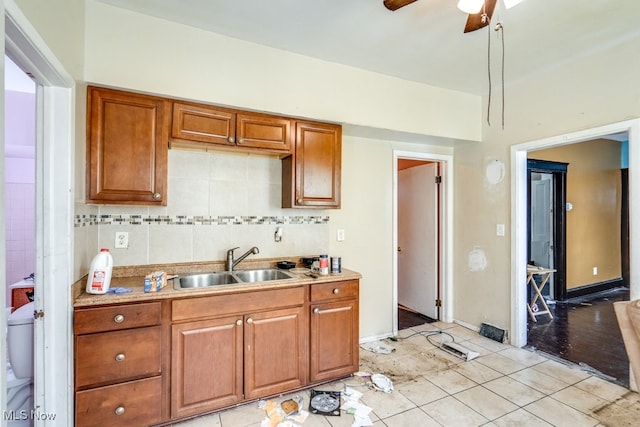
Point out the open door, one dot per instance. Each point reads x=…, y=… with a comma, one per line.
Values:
x=418, y=236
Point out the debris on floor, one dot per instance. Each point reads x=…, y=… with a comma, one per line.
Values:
x=377, y=347
x=351, y=405
x=288, y=413
x=382, y=383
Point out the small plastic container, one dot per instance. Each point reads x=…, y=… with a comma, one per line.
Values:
x=99, y=278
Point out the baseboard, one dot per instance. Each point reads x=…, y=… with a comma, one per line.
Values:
x=593, y=288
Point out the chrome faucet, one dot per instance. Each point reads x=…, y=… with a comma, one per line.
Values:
x=231, y=263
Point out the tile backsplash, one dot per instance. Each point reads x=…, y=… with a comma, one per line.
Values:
x=215, y=201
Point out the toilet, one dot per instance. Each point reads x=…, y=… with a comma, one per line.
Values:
x=20, y=368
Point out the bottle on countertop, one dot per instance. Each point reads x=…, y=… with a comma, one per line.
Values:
x=99, y=277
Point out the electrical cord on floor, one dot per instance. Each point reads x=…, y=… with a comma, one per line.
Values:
x=427, y=335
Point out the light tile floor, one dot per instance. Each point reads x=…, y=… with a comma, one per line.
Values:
x=504, y=386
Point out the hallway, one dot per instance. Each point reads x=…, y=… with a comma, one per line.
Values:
x=585, y=331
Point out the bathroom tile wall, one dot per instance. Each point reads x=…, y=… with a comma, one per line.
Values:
x=215, y=201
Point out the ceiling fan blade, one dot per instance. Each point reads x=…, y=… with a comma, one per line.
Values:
x=396, y=4
x=475, y=22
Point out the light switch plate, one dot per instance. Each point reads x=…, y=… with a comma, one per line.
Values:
x=340, y=235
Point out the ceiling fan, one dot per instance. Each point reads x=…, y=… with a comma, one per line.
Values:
x=480, y=11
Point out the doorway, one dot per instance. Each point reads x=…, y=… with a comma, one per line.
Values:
x=546, y=217
x=519, y=213
x=422, y=221
x=418, y=228
x=55, y=123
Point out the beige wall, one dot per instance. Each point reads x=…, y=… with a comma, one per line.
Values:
x=593, y=225
x=583, y=94
x=157, y=56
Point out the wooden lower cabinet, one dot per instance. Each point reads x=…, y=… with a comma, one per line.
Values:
x=206, y=364
x=275, y=352
x=334, y=332
x=134, y=404
x=119, y=351
x=148, y=363
x=220, y=362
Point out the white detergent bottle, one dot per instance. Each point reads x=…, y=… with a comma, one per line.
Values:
x=99, y=276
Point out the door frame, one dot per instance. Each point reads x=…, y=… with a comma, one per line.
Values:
x=519, y=214
x=55, y=136
x=559, y=187
x=445, y=231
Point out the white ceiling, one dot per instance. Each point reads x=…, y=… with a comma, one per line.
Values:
x=422, y=42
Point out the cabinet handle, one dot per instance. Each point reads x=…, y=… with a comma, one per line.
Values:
x=336, y=291
x=316, y=310
x=231, y=140
x=299, y=201
x=119, y=357
x=118, y=318
x=156, y=196
x=240, y=140
x=119, y=410
x=249, y=320
x=239, y=322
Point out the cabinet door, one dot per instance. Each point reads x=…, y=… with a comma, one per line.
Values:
x=206, y=365
x=311, y=177
x=127, y=147
x=334, y=345
x=275, y=352
x=203, y=124
x=264, y=132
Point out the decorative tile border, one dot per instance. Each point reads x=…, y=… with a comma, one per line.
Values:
x=90, y=220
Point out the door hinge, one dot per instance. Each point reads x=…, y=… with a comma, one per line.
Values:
x=38, y=314
x=438, y=179
x=438, y=303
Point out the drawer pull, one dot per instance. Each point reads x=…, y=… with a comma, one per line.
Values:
x=118, y=318
x=119, y=410
x=249, y=320
x=239, y=322
x=316, y=310
x=119, y=357
x=336, y=291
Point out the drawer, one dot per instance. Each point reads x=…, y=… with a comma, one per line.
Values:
x=135, y=403
x=114, y=318
x=239, y=303
x=116, y=356
x=334, y=290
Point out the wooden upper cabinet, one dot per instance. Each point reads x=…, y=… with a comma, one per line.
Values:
x=207, y=125
x=311, y=177
x=203, y=124
x=127, y=147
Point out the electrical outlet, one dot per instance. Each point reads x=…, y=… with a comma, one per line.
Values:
x=122, y=240
x=595, y=271
x=500, y=230
x=340, y=235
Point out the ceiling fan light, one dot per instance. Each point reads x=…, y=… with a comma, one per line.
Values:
x=510, y=3
x=470, y=6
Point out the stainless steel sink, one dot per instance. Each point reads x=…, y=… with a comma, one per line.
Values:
x=262, y=275
x=203, y=280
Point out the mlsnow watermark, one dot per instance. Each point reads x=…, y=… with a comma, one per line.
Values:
x=28, y=415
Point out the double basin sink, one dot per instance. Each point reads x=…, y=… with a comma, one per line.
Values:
x=203, y=280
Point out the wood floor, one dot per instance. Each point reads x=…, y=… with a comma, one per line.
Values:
x=408, y=318
x=585, y=331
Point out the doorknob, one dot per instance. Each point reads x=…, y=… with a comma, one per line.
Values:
x=399, y=248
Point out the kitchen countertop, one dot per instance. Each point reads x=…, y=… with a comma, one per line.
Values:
x=133, y=278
